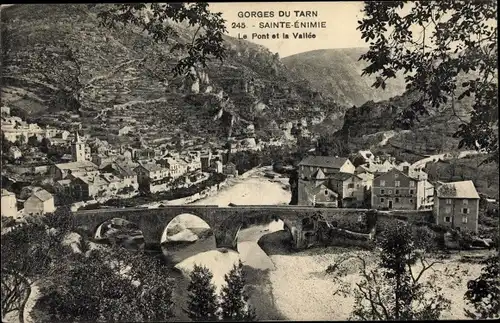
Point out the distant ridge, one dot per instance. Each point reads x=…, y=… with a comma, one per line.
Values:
x=337, y=73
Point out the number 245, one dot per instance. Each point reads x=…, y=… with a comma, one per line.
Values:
x=238, y=25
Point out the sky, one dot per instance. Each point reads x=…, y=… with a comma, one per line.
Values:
x=340, y=19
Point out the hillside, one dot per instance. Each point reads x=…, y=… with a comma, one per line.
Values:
x=337, y=72
x=369, y=123
x=118, y=75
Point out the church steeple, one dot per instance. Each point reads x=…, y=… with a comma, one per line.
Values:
x=78, y=148
x=77, y=137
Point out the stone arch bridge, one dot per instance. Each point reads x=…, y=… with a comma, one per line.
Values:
x=224, y=221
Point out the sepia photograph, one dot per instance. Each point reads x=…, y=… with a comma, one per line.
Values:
x=249, y=161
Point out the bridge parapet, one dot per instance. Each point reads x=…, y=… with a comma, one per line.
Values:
x=224, y=221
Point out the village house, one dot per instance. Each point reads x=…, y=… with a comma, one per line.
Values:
x=63, y=189
x=402, y=190
x=9, y=204
x=152, y=177
x=39, y=203
x=456, y=205
x=15, y=129
x=218, y=167
x=85, y=187
x=125, y=172
x=61, y=171
x=230, y=169
x=102, y=160
x=5, y=111
x=350, y=189
x=328, y=165
x=175, y=167
x=27, y=191
x=314, y=171
x=320, y=195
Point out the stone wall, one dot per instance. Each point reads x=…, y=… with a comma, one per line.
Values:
x=225, y=221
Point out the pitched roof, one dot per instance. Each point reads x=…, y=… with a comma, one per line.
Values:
x=42, y=195
x=6, y=193
x=318, y=174
x=152, y=167
x=329, y=187
x=463, y=189
x=342, y=176
x=324, y=161
x=77, y=165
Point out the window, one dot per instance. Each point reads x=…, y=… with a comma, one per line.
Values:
x=357, y=185
x=390, y=191
x=396, y=175
x=397, y=184
x=326, y=192
x=412, y=184
x=382, y=200
x=397, y=191
x=351, y=185
x=382, y=183
x=447, y=219
x=448, y=201
x=465, y=210
x=464, y=219
x=465, y=202
x=397, y=199
x=382, y=191
x=447, y=209
x=411, y=200
x=411, y=192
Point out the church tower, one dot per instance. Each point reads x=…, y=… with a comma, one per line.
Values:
x=78, y=149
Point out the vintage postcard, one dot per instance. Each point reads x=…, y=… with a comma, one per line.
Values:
x=249, y=161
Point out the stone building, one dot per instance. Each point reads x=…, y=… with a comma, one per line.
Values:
x=39, y=203
x=9, y=204
x=456, y=205
x=402, y=190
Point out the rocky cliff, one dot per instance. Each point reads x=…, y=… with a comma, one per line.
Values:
x=49, y=51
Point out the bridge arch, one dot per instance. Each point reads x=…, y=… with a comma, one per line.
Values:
x=120, y=231
x=186, y=235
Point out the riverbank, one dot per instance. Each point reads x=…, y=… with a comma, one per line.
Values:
x=303, y=290
x=251, y=188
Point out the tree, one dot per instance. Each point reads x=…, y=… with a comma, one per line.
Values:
x=444, y=48
x=33, y=141
x=108, y=285
x=396, y=290
x=30, y=253
x=483, y=293
x=202, y=303
x=234, y=306
x=155, y=19
x=328, y=145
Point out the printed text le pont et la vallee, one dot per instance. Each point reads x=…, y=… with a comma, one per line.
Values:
x=299, y=19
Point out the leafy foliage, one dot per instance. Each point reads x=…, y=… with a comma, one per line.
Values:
x=153, y=18
x=108, y=285
x=202, y=303
x=484, y=292
x=396, y=288
x=233, y=303
x=329, y=145
x=30, y=252
x=454, y=38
